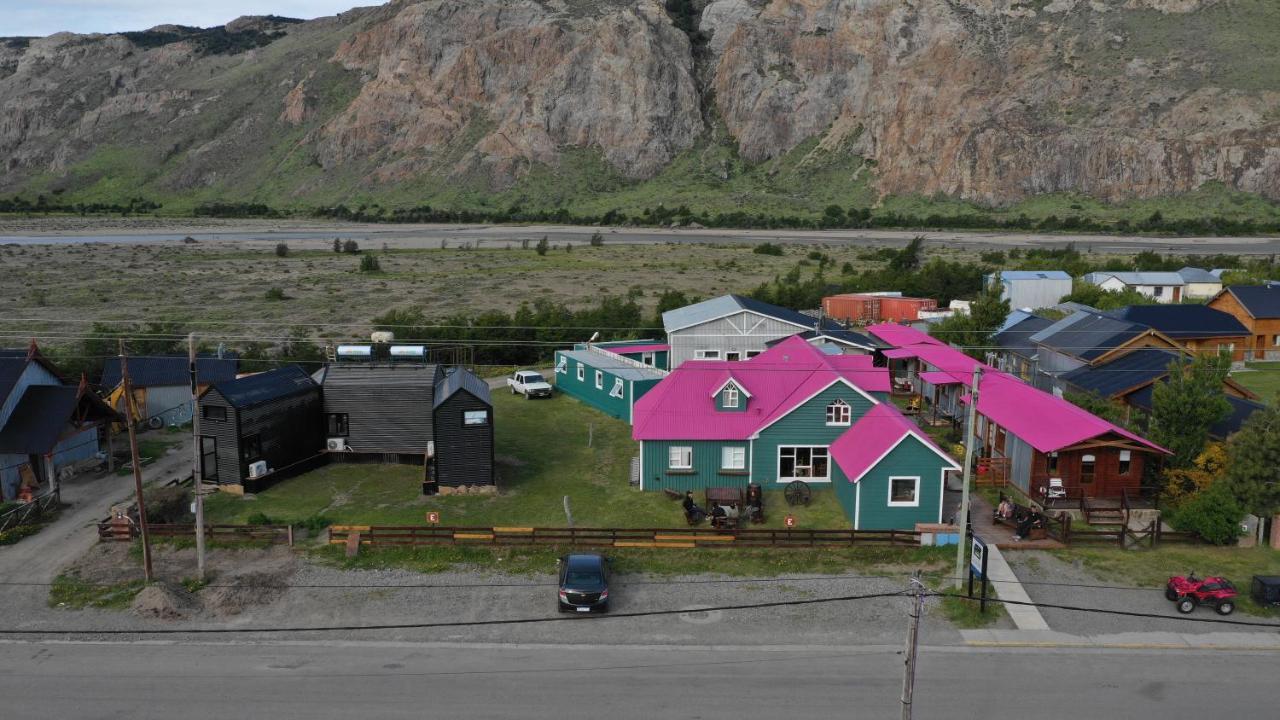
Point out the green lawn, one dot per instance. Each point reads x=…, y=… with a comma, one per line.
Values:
x=1262, y=378
x=543, y=457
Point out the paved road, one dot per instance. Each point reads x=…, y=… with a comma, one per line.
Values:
x=431, y=236
x=388, y=680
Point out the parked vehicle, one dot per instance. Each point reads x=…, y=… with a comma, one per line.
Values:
x=529, y=384
x=1191, y=591
x=584, y=584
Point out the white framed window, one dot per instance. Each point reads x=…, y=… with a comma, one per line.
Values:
x=904, y=491
x=838, y=413
x=619, y=388
x=733, y=457
x=599, y=380
x=680, y=457
x=475, y=417
x=582, y=372
x=647, y=359
x=1126, y=462
x=803, y=462
x=733, y=355
x=562, y=367
x=730, y=397
x=1275, y=340
x=707, y=355
x=1157, y=291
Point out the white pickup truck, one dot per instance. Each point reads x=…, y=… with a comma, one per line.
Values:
x=529, y=384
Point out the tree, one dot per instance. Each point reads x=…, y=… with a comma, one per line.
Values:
x=1100, y=406
x=1254, y=454
x=597, y=239
x=351, y=247
x=972, y=332
x=542, y=246
x=1182, y=483
x=1187, y=403
x=1086, y=293
x=282, y=250
x=369, y=263
x=337, y=245
x=908, y=258
x=1214, y=514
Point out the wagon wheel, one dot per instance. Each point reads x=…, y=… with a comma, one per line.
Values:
x=797, y=493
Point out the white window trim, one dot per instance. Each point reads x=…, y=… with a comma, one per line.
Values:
x=582, y=372
x=683, y=450
x=706, y=354
x=619, y=388
x=915, y=502
x=599, y=379
x=730, y=391
x=468, y=423
x=848, y=413
x=647, y=359
x=825, y=479
x=562, y=367
x=735, y=449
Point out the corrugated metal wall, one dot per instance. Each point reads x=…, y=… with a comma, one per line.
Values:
x=290, y=429
x=464, y=453
x=388, y=407
x=171, y=403
x=1039, y=293
x=225, y=434
x=742, y=333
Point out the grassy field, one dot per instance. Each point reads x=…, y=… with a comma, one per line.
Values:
x=543, y=457
x=1263, y=380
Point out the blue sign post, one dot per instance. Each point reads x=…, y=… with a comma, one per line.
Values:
x=978, y=567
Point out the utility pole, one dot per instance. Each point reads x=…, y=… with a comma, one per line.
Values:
x=137, y=464
x=969, y=442
x=196, y=483
x=913, y=643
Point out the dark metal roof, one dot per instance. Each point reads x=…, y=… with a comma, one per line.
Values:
x=1017, y=337
x=1142, y=366
x=261, y=387
x=837, y=333
x=456, y=379
x=1261, y=301
x=1241, y=410
x=38, y=419
x=1183, y=321
x=164, y=370
x=1088, y=335
x=12, y=363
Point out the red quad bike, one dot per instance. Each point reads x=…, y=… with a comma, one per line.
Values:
x=1190, y=591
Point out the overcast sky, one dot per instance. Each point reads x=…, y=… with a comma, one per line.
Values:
x=45, y=17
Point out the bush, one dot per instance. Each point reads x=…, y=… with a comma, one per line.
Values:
x=276, y=293
x=260, y=518
x=768, y=249
x=282, y=250
x=337, y=245
x=1214, y=514
x=597, y=239
x=169, y=504
x=542, y=246
x=14, y=534
x=314, y=523
x=351, y=247
x=369, y=263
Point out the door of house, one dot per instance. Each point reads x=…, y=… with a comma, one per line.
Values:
x=208, y=457
x=1260, y=347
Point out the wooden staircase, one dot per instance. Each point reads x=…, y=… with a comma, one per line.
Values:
x=1105, y=513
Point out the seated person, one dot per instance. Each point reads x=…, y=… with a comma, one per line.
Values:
x=1028, y=521
x=691, y=509
x=1005, y=510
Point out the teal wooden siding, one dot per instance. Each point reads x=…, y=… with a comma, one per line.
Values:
x=743, y=401
x=706, y=465
x=806, y=425
x=566, y=381
x=847, y=496
x=911, y=457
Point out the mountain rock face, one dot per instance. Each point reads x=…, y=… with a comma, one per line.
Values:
x=986, y=100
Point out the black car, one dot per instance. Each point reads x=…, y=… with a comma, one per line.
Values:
x=584, y=584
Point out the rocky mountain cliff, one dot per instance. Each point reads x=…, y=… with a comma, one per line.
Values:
x=991, y=101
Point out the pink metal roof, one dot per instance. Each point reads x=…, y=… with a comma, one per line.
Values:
x=862, y=446
x=940, y=378
x=680, y=407
x=899, y=353
x=629, y=349
x=1044, y=421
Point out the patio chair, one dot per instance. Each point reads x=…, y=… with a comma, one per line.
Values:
x=1056, y=490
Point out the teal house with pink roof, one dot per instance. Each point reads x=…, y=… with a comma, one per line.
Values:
x=792, y=413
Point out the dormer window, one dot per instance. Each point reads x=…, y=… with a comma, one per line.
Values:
x=838, y=413
x=730, y=397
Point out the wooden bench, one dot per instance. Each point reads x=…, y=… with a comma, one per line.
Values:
x=1036, y=533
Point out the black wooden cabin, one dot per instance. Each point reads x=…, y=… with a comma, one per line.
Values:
x=273, y=417
x=463, y=420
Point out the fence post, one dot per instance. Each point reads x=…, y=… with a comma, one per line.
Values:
x=291, y=536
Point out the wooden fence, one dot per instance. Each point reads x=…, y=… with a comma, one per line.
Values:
x=681, y=538
x=30, y=512
x=1153, y=535
x=120, y=532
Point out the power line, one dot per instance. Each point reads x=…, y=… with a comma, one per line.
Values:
x=1126, y=613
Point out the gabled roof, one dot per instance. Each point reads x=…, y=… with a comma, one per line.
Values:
x=261, y=387
x=902, y=335
x=873, y=437
x=38, y=420
x=1133, y=369
x=1136, y=278
x=614, y=364
x=14, y=362
x=707, y=310
x=458, y=379
x=1087, y=335
x=840, y=336
x=1033, y=275
x=1262, y=302
x=779, y=380
x=169, y=370
x=1016, y=337
x=1198, y=275
x=1241, y=410
x=1183, y=321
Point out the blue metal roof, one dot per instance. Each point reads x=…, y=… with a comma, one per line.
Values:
x=1260, y=301
x=457, y=379
x=1183, y=321
x=38, y=419
x=616, y=366
x=1017, y=336
x=1034, y=275
x=261, y=387
x=1198, y=275
x=1088, y=335
x=1128, y=371
x=718, y=307
x=167, y=370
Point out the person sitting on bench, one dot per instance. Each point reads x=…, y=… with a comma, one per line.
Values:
x=692, y=512
x=1028, y=521
x=1005, y=510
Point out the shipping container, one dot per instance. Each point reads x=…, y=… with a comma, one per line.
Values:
x=866, y=308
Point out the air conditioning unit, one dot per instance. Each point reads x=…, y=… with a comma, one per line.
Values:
x=336, y=445
x=257, y=469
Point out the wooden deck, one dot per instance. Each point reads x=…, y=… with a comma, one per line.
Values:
x=981, y=514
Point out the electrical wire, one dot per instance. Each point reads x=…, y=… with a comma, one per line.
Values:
x=1125, y=613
